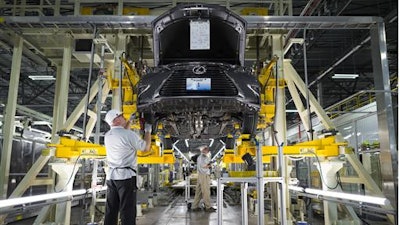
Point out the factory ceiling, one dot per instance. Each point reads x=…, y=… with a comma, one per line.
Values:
x=329, y=50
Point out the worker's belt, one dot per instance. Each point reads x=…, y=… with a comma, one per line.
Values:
x=127, y=167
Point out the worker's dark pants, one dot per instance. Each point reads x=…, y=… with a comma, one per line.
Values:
x=121, y=197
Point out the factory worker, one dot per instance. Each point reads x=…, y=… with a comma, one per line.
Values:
x=203, y=181
x=122, y=145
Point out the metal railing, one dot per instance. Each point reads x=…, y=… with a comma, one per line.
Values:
x=357, y=100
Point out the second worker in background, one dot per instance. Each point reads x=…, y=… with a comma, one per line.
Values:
x=203, y=180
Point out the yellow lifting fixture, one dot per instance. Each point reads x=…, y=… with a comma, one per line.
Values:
x=71, y=148
x=268, y=84
x=326, y=147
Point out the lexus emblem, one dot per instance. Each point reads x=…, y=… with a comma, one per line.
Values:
x=199, y=70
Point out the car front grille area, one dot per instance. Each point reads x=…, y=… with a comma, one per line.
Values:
x=221, y=85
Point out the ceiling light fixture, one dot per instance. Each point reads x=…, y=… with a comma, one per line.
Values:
x=41, y=77
x=344, y=76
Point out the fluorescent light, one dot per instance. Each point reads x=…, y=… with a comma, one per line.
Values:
x=341, y=195
x=211, y=142
x=41, y=77
x=347, y=128
x=347, y=136
x=344, y=76
x=353, y=197
x=296, y=188
x=187, y=143
x=38, y=198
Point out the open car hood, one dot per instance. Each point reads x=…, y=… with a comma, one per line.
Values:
x=199, y=32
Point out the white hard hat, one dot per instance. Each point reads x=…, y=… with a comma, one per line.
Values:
x=203, y=147
x=111, y=115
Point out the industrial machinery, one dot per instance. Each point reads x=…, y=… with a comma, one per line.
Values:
x=201, y=92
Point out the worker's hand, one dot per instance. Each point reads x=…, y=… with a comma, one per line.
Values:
x=147, y=128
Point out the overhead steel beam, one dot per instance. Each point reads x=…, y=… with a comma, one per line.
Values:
x=136, y=22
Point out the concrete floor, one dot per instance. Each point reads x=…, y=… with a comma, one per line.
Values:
x=174, y=213
x=177, y=213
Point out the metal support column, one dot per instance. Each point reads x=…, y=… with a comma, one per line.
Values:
x=280, y=116
x=66, y=176
x=320, y=93
x=120, y=7
x=156, y=178
x=62, y=84
x=283, y=188
x=99, y=102
x=260, y=185
x=280, y=104
x=93, y=186
x=94, y=116
x=57, y=7
x=9, y=117
x=245, y=219
x=386, y=123
x=89, y=83
x=220, y=199
x=120, y=48
x=77, y=7
x=187, y=184
x=328, y=176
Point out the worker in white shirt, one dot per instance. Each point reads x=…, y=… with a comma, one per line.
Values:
x=122, y=145
x=203, y=181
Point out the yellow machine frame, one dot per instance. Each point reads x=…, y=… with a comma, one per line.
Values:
x=326, y=147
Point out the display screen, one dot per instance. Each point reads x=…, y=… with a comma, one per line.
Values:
x=198, y=84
